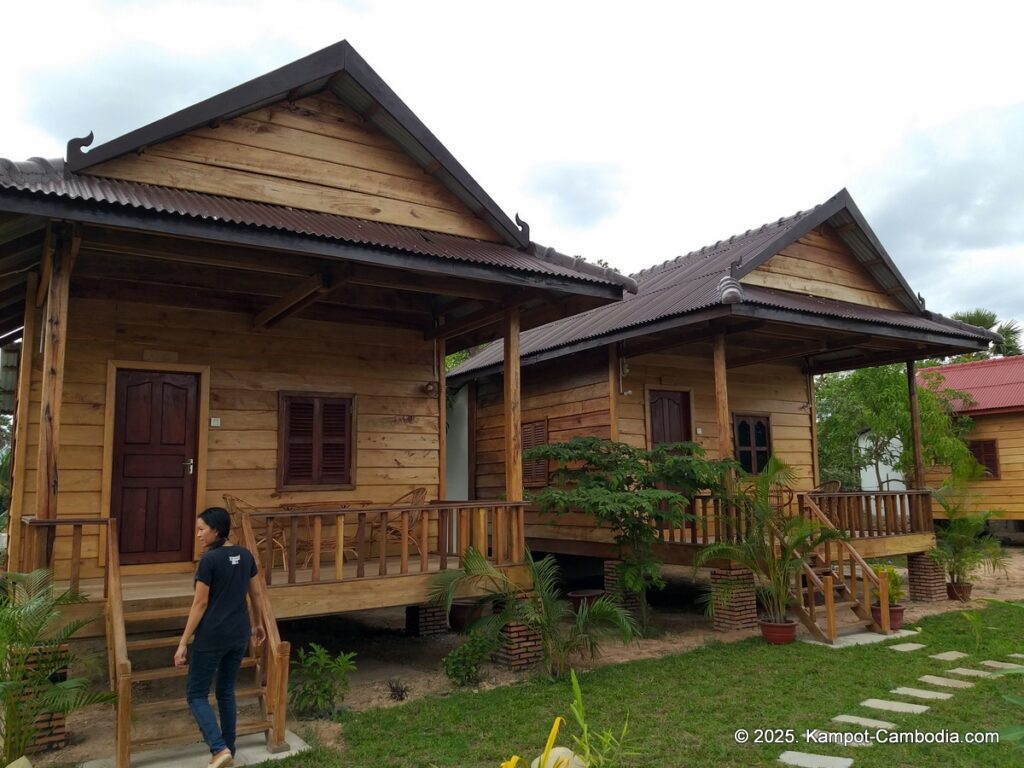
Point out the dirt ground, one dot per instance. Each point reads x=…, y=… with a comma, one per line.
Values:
x=385, y=653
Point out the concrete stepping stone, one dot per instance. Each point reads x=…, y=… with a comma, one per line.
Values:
x=906, y=647
x=864, y=722
x=921, y=693
x=894, y=706
x=948, y=656
x=807, y=760
x=964, y=672
x=944, y=682
x=1002, y=665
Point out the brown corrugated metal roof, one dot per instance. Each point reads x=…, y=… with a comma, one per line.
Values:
x=692, y=282
x=51, y=177
x=994, y=385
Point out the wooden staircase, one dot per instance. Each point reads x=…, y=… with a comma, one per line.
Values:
x=263, y=677
x=835, y=579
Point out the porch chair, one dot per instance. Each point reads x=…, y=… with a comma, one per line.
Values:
x=238, y=507
x=304, y=545
x=829, y=486
x=392, y=527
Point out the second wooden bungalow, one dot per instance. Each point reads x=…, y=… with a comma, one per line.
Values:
x=720, y=346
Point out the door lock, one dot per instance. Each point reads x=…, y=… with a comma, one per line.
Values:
x=189, y=464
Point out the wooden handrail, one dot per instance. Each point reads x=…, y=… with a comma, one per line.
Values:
x=117, y=648
x=30, y=545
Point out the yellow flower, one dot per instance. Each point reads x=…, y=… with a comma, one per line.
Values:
x=559, y=721
x=512, y=762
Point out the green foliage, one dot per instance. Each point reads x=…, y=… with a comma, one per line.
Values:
x=774, y=545
x=462, y=664
x=322, y=681
x=893, y=580
x=32, y=660
x=632, y=490
x=563, y=631
x=1013, y=734
x=598, y=749
x=977, y=626
x=864, y=420
x=962, y=547
x=1009, y=330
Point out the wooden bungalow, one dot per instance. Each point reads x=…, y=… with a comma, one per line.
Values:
x=720, y=346
x=249, y=302
x=996, y=438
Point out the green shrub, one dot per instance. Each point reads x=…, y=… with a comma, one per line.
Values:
x=322, y=681
x=462, y=665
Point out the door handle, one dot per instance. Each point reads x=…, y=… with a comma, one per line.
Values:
x=189, y=464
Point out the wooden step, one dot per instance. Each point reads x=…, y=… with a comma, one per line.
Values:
x=165, y=673
x=243, y=729
x=179, y=704
x=170, y=641
x=157, y=614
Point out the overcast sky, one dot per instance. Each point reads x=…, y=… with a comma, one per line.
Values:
x=628, y=132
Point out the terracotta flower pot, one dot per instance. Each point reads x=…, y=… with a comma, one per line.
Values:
x=960, y=591
x=778, y=634
x=895, y=615
x=581, y=597
x=463, y=614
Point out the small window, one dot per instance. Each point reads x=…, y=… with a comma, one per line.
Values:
x=985, y=453
x=753, y=441
x=315, y=443
x=535, y=471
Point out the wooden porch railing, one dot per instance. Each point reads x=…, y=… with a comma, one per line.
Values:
x=866, y=514
x=118, y=663
x=381, y=540
x=707, y=520
x=38, y=546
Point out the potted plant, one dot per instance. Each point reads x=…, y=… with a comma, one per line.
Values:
x=775, y=546
x=962, y=547
x=896, y=592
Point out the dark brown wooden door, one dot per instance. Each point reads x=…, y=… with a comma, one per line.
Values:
x=153, y=496
x=670, y=417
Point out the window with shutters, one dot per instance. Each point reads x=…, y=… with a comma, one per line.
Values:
x=316, y=441
x=752, y=438
x=535, y=471
x=985, y=453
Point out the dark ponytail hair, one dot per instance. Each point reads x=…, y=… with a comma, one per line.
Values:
x=218, y=519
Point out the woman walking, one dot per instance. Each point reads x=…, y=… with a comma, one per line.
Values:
x=220, y=621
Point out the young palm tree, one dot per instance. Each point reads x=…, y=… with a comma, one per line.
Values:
x=563, y=631
x=1009, y=330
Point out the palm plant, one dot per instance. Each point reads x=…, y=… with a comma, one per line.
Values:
x=563, y=630
x=775, y=546
x=1008, y=330
x=962, y=547
x=34, y=656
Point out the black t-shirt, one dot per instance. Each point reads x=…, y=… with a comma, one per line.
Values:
x=226, y=570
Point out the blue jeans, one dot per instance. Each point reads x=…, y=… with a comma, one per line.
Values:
x=201, y=670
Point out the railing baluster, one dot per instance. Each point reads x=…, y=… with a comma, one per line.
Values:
x=318, y=523
x=498, y=522
x=442, y=537
x=463, y=532
x=382, y=522
x=339, y=547
x=268, y=550
x=404, y=555
x=424, y=540
x=361, y=546
x=293, y=548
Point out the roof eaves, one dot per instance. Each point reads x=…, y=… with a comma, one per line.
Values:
x=310, y=73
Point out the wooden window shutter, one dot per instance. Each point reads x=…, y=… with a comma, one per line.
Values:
x=316, y=440
x=986, y=454
x=535, y=472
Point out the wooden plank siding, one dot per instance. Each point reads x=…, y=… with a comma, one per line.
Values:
x=820, y=264
x=396, y=428
x=1005, y=492
x=314, y=154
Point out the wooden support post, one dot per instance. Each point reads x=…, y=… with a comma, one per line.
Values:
x=915, y=427
x=830, y=608
x=442, y=421
x=613, y=391
x=513, y=416
x=725, y=450
x=55, y=342
x=20, y=427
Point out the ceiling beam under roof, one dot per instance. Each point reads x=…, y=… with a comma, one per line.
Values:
x=788, y=351
x=297, y=299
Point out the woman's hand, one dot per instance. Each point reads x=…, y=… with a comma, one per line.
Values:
x=180, y=654
x=259, y=634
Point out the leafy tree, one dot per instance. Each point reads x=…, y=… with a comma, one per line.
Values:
x=631, y=490
x=864, y=421
x=1009, y=330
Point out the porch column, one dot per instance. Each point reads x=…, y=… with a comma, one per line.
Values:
x=915, y=427
x=442, y=420
x=722, y=400
x=54, y=343
x=513, y=415
x=20, y=427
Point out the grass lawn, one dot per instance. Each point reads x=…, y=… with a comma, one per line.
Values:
x=684, y=709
